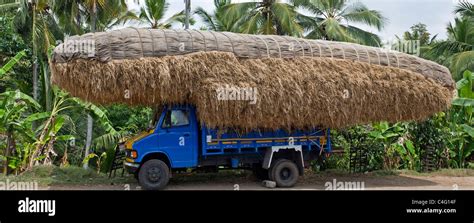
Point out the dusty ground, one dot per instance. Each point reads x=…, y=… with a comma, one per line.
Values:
x=311, y=181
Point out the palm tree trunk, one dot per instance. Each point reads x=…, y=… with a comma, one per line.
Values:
x=90, y=121
x=93, y=16
x=35, y=77
x=35, y=56
x=187, y=11
x=88, y=138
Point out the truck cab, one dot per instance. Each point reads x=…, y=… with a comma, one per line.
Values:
x=177, y=141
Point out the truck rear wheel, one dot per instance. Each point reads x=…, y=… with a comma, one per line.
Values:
x=154, y=175
x=284, y=172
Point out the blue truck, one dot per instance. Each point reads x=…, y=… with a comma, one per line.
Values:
x=177, y=141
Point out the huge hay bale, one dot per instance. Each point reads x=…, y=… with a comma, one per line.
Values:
x=132, y=43
x=294, y=92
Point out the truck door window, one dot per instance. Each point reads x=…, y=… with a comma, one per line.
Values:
x=175, y=118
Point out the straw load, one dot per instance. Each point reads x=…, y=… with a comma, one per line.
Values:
x=252, y=81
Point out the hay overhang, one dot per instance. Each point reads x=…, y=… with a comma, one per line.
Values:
x=294, y=92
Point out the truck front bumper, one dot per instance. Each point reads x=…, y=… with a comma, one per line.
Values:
x=131, y=168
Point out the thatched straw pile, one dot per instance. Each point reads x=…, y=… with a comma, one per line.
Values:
x=292, y=91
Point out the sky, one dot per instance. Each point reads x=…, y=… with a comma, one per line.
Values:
x=401, y=14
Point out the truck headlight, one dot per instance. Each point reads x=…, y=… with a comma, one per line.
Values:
x=133, y=154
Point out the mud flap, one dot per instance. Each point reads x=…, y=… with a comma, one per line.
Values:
x=267, y=161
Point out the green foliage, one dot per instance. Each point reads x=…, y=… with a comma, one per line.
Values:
x=75, y=17
x=153, y=12
x=457, y=51
x=419, y=32
x=431, y=134
x=97, y=158
x=398, y=152
x=461, y=123
x=465, y=9
x=10, y=45
x=35, y=131
x=216, y=21
x=330, y=20
x=266, y=17
x=15, y=123
x=7, y=67
x=358, y=138
x=130, y=118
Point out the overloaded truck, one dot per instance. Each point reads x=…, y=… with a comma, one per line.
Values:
x=176, y=141
x=333, y=84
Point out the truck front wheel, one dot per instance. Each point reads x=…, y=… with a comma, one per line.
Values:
x=154, y=175
x=284, y=172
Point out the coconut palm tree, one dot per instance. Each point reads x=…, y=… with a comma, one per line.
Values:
x=153, y=12
x=457, y=52
x=36, y=24
x=465, y=9
x=264, y=17
x=78, y=17
x=216, y=20
x=331, y=20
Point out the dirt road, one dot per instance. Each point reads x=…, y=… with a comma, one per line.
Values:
x=308, y=182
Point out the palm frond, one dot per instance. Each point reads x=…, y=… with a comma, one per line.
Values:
x=334, y=31
x=358, y=12
x=237, y=11
x=206, y=17
x=285, y=15
x=465, y=8
x=108, y=140
x=462, y=62
x=363, y=37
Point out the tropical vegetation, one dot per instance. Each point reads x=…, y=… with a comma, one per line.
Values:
x=43, y=125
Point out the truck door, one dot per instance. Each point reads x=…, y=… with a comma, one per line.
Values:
x=177, y=136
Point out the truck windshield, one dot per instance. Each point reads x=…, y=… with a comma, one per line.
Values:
x=156, y=116
x=175, y=118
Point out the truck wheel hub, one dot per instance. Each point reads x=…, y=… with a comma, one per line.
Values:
x=154, y=174
x=285, y=174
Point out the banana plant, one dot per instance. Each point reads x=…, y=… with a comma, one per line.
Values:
x=398, y=149
x=14, y=110
x=409, y=154
x=111, y=136
x=53, y=121
x=462, y=142
x=7, y=67
x=98, y=158
x=387, y=133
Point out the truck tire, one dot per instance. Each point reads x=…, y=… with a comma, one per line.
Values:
x=284, y=172
x=270, y=170
x=154, y=175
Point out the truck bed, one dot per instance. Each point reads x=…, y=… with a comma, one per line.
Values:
x=218, y=142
